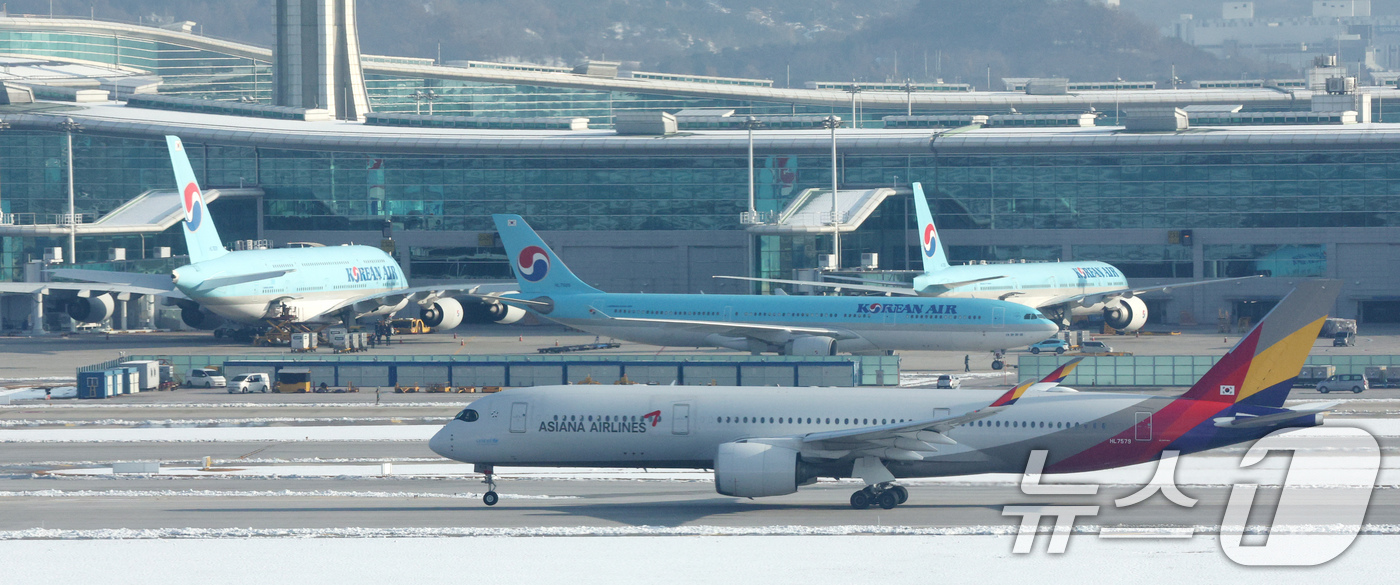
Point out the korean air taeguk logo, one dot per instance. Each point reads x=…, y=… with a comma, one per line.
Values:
x=533, y=263
x=930, y=240
x=194, y=203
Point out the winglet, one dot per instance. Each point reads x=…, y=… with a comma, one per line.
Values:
x=1055, y=377
x=933, y=256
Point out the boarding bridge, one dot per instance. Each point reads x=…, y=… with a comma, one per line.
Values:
x=151, y=212
x=811, y=212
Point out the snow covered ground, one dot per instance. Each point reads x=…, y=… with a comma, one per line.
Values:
x=698, y=557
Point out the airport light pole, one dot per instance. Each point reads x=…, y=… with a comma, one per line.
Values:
x=69, y=127
x=751, y=123
x=854, y=89
x=908, y=88
x=3, y=125
x=833, y=122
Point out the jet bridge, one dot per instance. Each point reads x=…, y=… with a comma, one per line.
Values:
x=151, y=212
x=811, y=212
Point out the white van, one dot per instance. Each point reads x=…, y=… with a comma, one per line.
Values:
x=202, y=378
x=248, y=383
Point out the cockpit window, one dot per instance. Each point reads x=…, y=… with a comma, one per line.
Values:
x=1034, y=316
x=468, y=415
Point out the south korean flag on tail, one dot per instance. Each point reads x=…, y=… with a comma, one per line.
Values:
x=1227, y=390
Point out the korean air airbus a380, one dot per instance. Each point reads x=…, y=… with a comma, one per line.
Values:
x=1062, y=288
x=792, y=325
x=304, y=285
x=763, y=441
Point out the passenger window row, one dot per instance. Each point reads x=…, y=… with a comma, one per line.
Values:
x=808, y=420
x=1037, y=424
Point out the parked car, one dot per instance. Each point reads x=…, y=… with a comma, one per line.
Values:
x=947, y=381
x=1094, y=347
x=1344, y=339
x=248, y=383
x=1054, y=344
x=1343, y=383
x=202, y=378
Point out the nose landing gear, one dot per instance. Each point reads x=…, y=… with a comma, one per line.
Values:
x=490, y=498
x=884, y=495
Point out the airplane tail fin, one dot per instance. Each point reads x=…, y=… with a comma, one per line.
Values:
x=1260, y=369
x=1055, y=377
x=537, y=269
x=201, y=238
x=933, y=256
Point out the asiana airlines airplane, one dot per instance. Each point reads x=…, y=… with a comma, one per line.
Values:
x=767, y=441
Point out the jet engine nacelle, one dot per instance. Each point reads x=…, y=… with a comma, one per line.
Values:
x=200, y=318
x=1128, y=314
x=493, y=312
x=810, y=346
x=443, y=315
x=94, y=309
x=752, y=470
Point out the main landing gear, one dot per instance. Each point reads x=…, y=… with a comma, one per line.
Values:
x=884, y=495
x=490, y=498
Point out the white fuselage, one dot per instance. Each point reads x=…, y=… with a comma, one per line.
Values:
x=615, y=426
x=319, y=280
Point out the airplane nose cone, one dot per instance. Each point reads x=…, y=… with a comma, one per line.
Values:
x=441, y=443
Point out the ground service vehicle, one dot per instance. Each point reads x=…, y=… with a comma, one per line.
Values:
x=1053, y=344
x=947, y=381
x=1094, y=347
x=202, y=378
x=1353, y=383
x=249, y=383
x=293, y=380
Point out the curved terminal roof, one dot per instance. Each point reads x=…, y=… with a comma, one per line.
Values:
x=978, y=101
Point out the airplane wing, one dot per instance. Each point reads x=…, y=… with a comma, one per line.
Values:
x=900, y=442
x=85, y=289
x=1099, y=297
x=935, y=289
x=155, y=281
x=421, y=295
x=844, y=286
x=731, y=328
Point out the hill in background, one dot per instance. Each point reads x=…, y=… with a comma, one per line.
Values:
x=830, y=39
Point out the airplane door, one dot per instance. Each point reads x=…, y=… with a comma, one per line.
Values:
x=518, y=412
x=998, y=317
x=1143, y=428
x=680, y=419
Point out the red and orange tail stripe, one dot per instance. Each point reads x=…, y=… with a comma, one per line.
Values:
x=1055, y=377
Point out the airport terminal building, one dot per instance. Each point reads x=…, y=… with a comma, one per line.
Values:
x=640, y=180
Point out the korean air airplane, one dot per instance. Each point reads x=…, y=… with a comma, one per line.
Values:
x=1060, y=288
x=790, y=325
x=302, y=285
x=763, y=441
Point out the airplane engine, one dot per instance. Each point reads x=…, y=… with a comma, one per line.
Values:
x=93, y=309
x=1128, y=314
x=493, y=312
x=810, y=346
x=752, y=470
x=200, y=318
x=443, y=315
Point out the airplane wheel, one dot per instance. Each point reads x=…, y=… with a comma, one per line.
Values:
x=888, y=499
x=996, y=364
x=860, y=500
x=903, y=493
x=490, y=498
